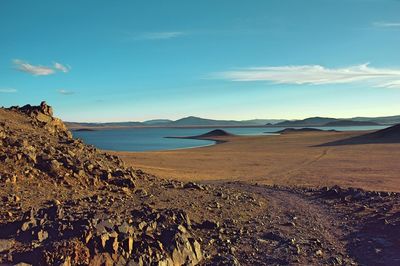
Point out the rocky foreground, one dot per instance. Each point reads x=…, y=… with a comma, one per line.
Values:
x=67, y=203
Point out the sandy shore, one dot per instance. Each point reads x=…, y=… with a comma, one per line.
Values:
x=289, y=159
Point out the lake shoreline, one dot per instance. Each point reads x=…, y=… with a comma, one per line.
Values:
x=294, y=159
x=157, y=139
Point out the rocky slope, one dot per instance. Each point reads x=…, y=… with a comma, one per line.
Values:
x=67, y=203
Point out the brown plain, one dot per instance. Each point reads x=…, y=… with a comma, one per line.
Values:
x=288, y=159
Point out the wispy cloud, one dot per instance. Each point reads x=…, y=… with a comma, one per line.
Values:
x=38, y=70
x=163, y=35
x=394, y=84
x=8, y=90
x=65, y=92
x=316, y=75
x=61, y=67
x=386, y=24
x=32, y=69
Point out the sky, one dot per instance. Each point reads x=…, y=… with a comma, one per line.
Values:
x=129, y=60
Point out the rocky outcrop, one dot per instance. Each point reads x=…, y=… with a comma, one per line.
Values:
x=42, y=116
x=33, y=111
x=89, y=230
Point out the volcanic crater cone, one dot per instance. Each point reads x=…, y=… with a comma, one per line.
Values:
x=215, y=133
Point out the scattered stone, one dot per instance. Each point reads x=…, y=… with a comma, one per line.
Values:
x=6, y=244
x=208, y=224
x=192, y=185
x=42, y=235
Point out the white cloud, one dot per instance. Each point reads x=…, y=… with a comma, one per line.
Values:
x=387, y=24
x=61, y=67
x=316, y=75
x=65, y=92
x=159, y=35
x=8, y=90
x=31, y=69
x=38, y=70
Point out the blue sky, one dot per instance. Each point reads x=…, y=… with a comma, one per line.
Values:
x=136, y=60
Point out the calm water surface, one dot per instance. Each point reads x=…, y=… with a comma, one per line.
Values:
x=153, y=139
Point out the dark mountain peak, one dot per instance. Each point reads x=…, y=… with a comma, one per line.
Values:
x=318, y=118
x=190, y=118
x=198, y=121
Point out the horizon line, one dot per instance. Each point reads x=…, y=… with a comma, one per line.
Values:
x=233, y=120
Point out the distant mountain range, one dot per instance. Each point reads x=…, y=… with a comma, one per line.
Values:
x=190, y=121
x=193, y=121
x=197, y=121
x=312, y=121
x=388, y=120
x=344, y=123
x=326, y=121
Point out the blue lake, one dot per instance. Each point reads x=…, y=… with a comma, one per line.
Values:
x=153, y=139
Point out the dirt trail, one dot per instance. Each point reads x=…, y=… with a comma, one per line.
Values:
x=311, y=230
x=332, y=226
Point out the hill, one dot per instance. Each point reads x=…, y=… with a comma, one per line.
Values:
x=215, y=133
x=387, y=135
x=312, y=121
x=197, y=121
x=390, y=134
x=325, y=122
x=192, y=120
x=346, y=123
x=212, y=135
x=385, y=120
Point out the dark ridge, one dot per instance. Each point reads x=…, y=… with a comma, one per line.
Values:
x=387, y=135
x=312, y=121
x=345, y=123
x=215, y=133
x=306, y=129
